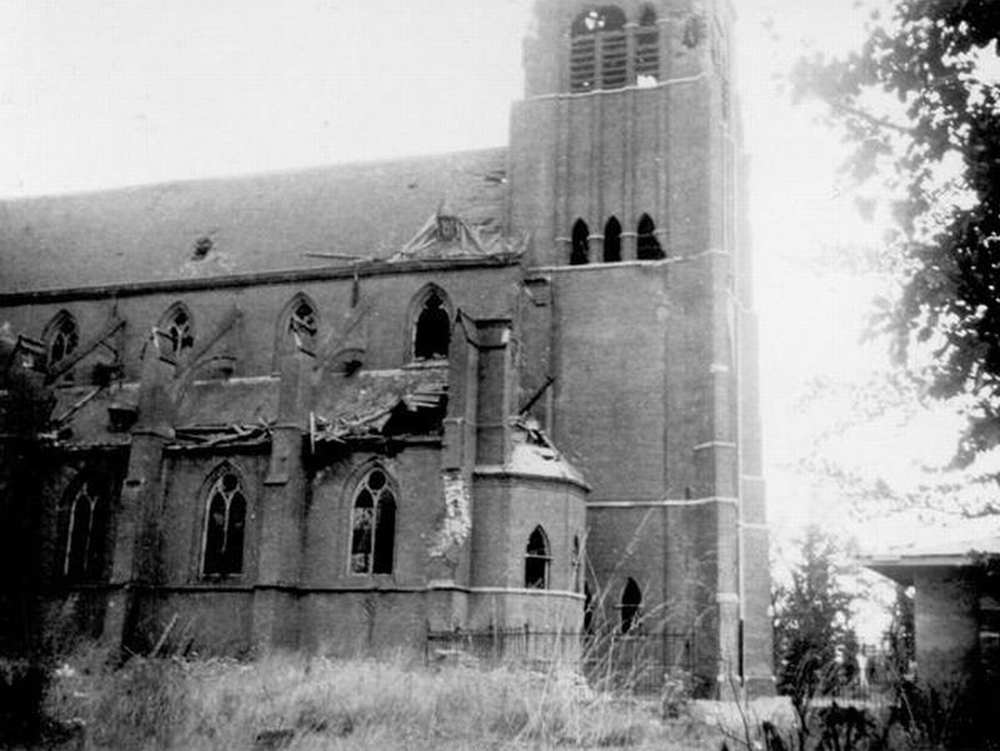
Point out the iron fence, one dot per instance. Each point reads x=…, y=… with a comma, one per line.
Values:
x=636, y=662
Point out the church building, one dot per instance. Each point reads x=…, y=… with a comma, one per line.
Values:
x=337, y=408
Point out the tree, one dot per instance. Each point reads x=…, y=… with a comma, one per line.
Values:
x=814, y=644
x=935, y=144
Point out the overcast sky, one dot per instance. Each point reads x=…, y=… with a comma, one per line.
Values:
x=100, y=93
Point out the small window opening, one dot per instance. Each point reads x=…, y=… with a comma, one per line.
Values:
x=433, y=334
x=225, y=527
x=179, y=329
x=373, y=526
x=648, y=246
x=580, y=254
x=63, y=337
x=536, y=561
x=631, y=600
x=612, y=241
x=302, y=324
x=85, y=533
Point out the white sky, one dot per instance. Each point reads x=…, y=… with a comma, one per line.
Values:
x=99, y=93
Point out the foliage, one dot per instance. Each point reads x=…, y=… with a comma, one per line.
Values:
x=814, y=644
x=937, y=150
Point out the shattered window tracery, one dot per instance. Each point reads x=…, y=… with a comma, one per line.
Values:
x=179, y=327
x=631, y=601
x=433, y=330
x=302, y=323
x=537, y=560
x=373, y=525
x=63, y=336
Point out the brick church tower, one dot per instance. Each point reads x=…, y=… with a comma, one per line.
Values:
x=626, y=174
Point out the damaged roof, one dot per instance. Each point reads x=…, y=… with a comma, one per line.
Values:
x=363, y=404
x=267, y=222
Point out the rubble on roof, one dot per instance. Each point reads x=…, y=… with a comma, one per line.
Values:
x=373, y=404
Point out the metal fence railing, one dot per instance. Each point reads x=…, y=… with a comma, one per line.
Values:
x=637, y=662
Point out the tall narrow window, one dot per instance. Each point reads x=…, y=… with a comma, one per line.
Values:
x=580, y=254
x=225, y=526
x=612, y=241
x=648, y=246
x=432, y=334
x=631, y=600
x=536, y=561
x=302, y=323
x=647, y=49
x=86, y=529
x=62, y=337
x=179, y=327
x=373, y=525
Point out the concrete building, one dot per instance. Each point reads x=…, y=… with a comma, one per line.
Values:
x=335, y=408
x=956, y=605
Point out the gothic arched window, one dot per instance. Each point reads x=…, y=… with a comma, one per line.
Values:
x=86, y=530
x=588, y=610
x=373, y=525
x=631, y=601
x=432, y=332
x=536, y=560
x=598, y=44
x=647, y=49
x=303, y=323
x=579, y=255
x=648, y=246
x=612, y=241
x=225, y=526
x=62, y=337
x=178, y=325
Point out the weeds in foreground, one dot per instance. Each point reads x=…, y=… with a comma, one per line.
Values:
x=296, y=702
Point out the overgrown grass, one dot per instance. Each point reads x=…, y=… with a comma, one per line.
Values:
x=295, y=702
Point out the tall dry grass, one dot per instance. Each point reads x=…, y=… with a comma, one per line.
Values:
x=296, y=702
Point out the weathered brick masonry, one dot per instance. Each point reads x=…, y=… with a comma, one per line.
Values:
x=256, y=431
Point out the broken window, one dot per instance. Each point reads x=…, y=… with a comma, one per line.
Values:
x=580, y=254
x=62, y=337
x=612, y=241
x=536, y=561
x=225, y=526
x=648, y=246
x=302, y=323
x=598, y=33
x=373, y=525
x=631, y=600
x=86, y=528
x=178, y=325
x=433, y=330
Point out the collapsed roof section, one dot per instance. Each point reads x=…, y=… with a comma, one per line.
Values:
x=373, y=405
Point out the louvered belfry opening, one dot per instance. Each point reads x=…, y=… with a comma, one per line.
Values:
x=599, y=50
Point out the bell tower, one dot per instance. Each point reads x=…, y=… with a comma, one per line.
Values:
x=626, y=173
